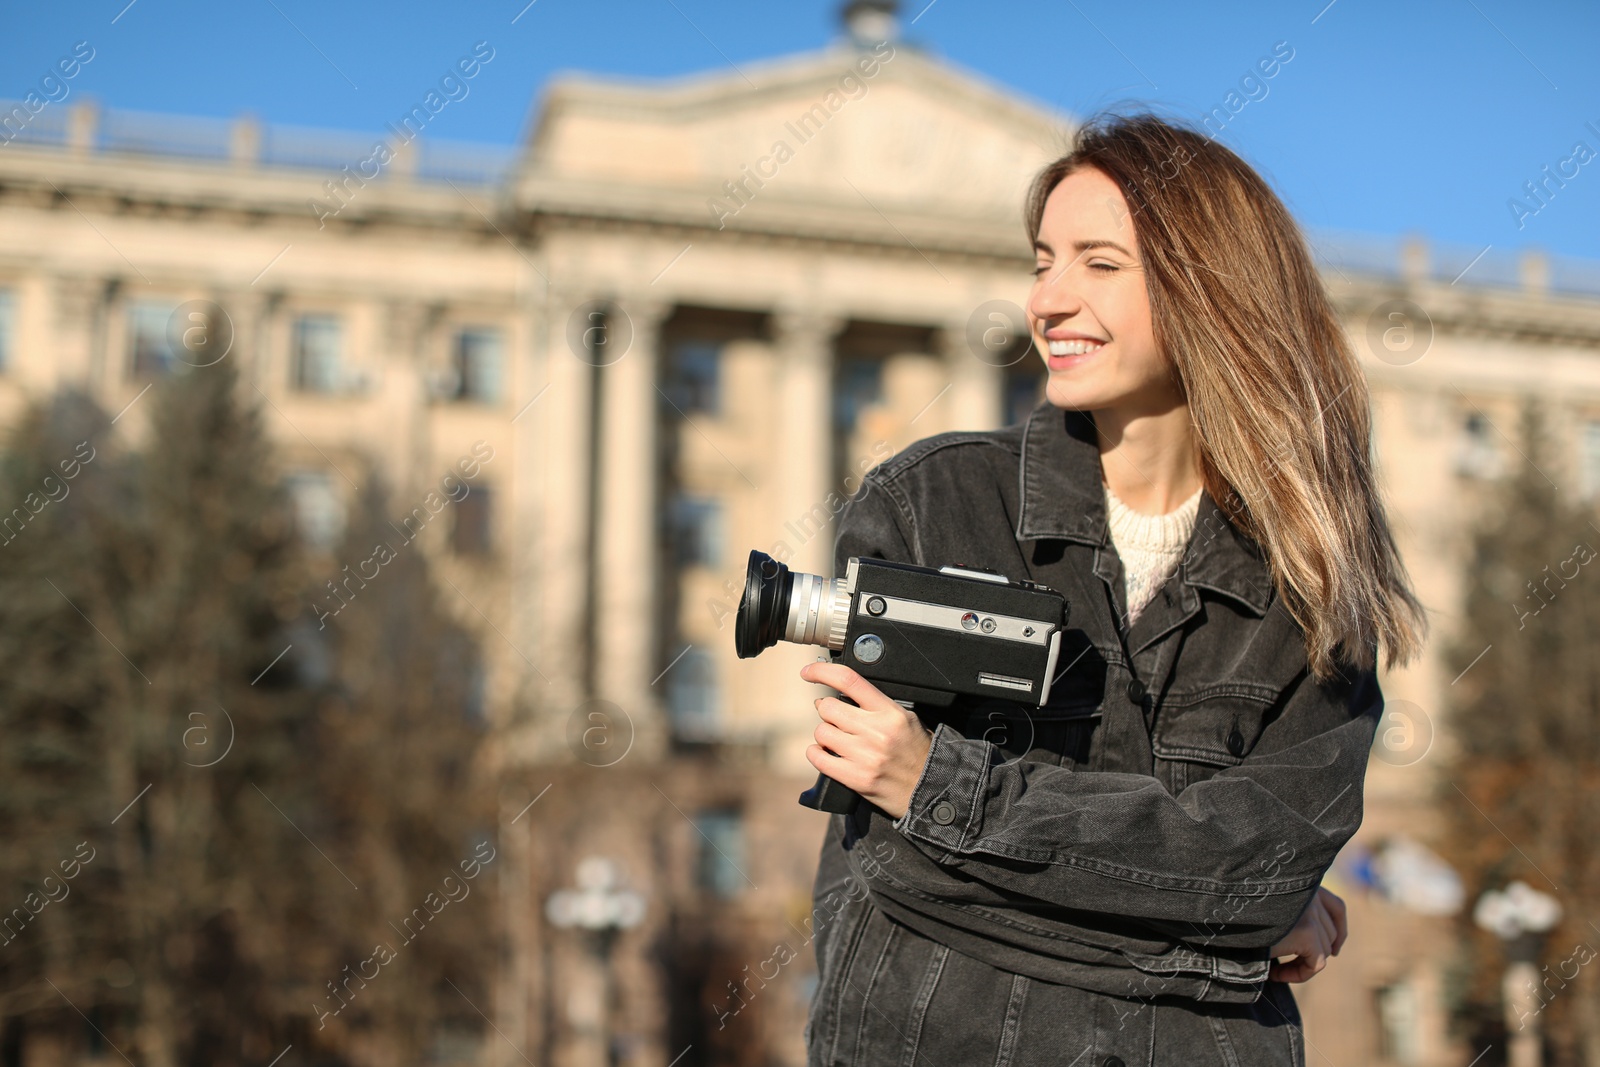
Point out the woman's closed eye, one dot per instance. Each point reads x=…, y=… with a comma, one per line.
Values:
x=1036, y=271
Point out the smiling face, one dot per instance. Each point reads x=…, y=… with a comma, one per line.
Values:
x=1089, y=310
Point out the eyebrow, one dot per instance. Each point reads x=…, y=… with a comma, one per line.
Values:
x=1084, y=246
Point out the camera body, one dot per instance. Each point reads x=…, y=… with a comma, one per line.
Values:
x=929, y=635
x=922, y=636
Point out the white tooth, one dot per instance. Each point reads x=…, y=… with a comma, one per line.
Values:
x=1073, y=348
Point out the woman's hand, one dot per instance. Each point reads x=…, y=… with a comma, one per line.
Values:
x=877, y=749
x=1317, y=936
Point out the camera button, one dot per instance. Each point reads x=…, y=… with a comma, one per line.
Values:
x=876, y=606
x=1136, y=691
x=988, y=626
x=869, y=648
x=944, y=813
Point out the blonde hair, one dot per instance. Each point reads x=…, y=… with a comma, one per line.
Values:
x=1280, y=406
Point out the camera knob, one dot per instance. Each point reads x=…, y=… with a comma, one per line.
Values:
x=869, y=648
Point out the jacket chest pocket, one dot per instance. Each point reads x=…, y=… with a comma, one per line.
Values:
x=1212, y=732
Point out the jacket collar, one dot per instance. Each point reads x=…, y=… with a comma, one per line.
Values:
x=1062, y=497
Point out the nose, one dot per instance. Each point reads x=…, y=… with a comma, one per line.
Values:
x=1054, y=295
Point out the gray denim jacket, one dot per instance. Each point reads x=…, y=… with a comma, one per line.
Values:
x=1108, y=872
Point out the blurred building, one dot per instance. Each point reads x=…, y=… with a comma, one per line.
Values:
x=681, y=319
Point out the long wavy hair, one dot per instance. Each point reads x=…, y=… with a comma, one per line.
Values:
x=1280, y=406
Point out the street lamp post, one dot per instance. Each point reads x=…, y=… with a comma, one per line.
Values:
x=601, y=910
x=1520, y=916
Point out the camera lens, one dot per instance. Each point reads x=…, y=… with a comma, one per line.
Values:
x=764, y=608
x=783, y=605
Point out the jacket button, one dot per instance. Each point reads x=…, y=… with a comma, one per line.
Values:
x=944, y=813
x=1112, y=1061
x=1136, y=691
x=1236, y=742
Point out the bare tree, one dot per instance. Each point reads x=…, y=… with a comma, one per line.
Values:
x=1522, y=793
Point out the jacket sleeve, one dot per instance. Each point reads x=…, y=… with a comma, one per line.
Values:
x=1230, y=863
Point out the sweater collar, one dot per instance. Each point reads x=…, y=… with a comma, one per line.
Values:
x=1062, y=497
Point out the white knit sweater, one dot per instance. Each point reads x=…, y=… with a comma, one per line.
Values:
x=1149, y=545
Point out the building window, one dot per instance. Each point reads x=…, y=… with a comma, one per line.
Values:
x=858, y=384
x=1024, y=391
x=319, y=513
x=471, y=535
x=1589, y=459
x=477, y=709
x=1398, y=1023
x=692, y=377
x=696, y=531
x=316, y=362
x=692, y=697
x=479, y=361
x=311, y=665
x=149, y=351
x=1477, y=454
x=720, y=869
x=8, y=329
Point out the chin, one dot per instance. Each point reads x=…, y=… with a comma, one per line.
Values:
x=1075, y=397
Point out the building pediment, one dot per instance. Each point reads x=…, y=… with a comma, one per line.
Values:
x=885, y=133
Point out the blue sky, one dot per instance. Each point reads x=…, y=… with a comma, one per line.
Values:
x=1390, y=118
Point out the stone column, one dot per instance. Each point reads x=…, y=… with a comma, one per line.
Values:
x=805, y=442
x=241, y=318
x=407, y=328
x=626, y=561
x=559, y=422
x=74, y=341
x=977, y=380
x=806, y=522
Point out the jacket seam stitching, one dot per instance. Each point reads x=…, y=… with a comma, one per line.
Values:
x=872, y=982
x=1183, y=961
x=845, y=961
x=895, y=466
x=1011, y=1026
x=930, y=984
x=1238, y=690
x=1130, y=874
x=903, y=506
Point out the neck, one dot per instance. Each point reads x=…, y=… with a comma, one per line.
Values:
x=1148, y=457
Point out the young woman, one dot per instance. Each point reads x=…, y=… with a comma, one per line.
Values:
x=1130, y=874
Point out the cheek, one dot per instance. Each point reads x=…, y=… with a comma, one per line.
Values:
x=1132, y=328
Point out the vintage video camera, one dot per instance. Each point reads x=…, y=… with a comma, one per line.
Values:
x=922, y=636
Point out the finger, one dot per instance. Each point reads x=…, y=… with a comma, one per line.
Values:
x=837, y=713
x=1292, y=971
x=845, y=679
x=1341, y=919
x=1306, y=966
x=1302, y=969
x=1326, y=932
x=833, y=739
x=1331, y=925
x=834, y=767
